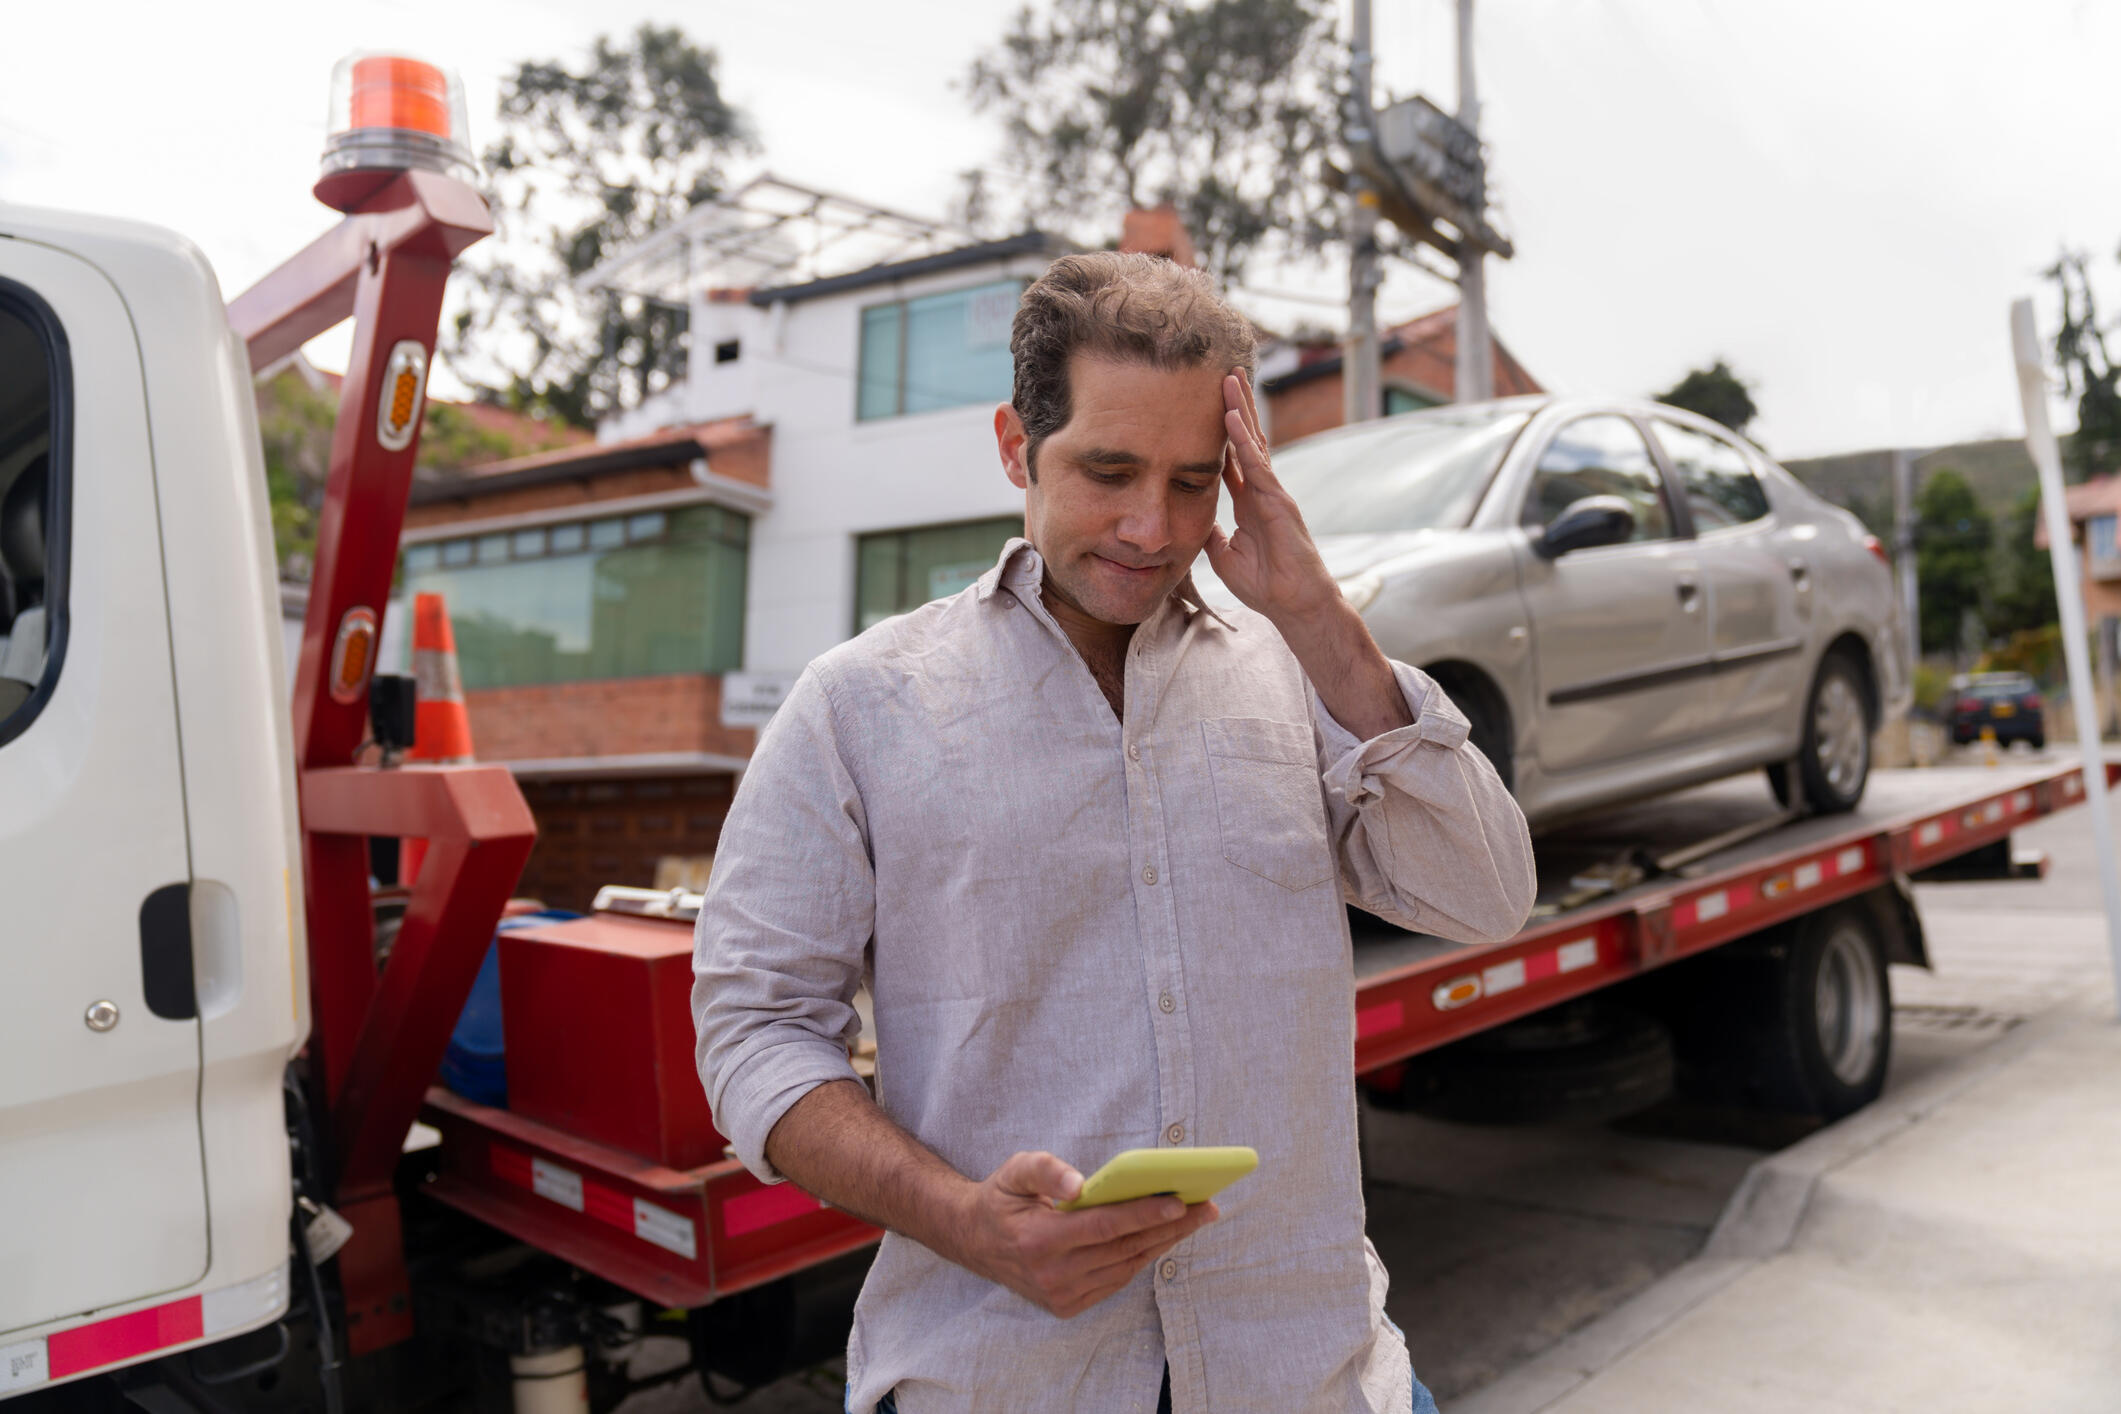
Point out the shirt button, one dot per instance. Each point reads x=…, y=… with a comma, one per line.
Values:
x=1169, y=1270
x=1165, y=1005
x=1149, y=874
x=1134, y=753
x=1176, y=1134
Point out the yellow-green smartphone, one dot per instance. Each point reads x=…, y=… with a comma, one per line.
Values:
x=1195, y=1175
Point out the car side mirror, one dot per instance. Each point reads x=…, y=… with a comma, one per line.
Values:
x=1594, y=520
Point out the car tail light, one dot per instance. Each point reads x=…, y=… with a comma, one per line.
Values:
x=1967, y=704
x=1877, y=547
x=2032, y=701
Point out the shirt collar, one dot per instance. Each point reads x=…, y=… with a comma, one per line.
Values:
x=1022, y=569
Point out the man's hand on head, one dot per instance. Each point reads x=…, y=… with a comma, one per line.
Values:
x=1268, y=561
x=1066, y=1263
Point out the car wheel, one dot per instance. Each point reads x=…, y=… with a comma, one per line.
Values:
x=2039, y=741
x=1488, y=721
x=1835, y=758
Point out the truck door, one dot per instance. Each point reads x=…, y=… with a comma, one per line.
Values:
x=101, y=1165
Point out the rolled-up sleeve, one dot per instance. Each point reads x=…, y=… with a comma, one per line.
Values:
x=778, y=952
x=1428, y=836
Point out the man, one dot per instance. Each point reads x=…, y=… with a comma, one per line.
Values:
x=1081, y=835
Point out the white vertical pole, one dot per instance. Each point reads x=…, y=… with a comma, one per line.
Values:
x=2069, y=601
x=1361, y=383
x=1476, y=363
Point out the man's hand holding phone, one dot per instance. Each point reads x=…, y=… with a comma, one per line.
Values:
x=1066, y=1263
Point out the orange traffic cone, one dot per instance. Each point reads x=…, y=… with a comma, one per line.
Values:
x=441, y=727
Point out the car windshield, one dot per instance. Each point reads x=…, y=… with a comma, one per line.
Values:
x=1418, y=471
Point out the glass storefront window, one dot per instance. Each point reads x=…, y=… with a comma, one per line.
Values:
x=904, y=569
x=622, y=596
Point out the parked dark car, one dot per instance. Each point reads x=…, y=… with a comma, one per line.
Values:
x=2008, y=702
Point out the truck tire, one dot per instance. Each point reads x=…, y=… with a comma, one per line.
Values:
x=1798, y=1019
x=1834, y=759
x=1581, y=1062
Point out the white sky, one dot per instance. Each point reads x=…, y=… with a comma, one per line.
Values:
x=1841, y=197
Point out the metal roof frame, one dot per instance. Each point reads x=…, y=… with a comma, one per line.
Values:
x=768, y=231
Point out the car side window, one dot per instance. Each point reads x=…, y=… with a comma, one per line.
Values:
x=1602, y=455
x=1721, y=489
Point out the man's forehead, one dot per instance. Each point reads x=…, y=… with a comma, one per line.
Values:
x=1121, y=412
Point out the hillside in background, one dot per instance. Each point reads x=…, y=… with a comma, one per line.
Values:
x=1999, y=471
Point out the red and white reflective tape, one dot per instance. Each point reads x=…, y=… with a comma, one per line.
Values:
x=651, y=1223
x=120, y=1340
x=1571, y=956
x=1712, y=904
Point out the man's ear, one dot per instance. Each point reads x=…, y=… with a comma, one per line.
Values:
x=1012, y=442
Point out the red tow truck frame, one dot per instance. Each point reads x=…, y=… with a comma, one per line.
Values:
x=692, y=1237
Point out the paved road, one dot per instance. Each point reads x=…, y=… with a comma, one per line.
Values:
x=1501, y=1241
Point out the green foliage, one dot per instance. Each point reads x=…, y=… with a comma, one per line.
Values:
x=2037, y=651
x=588, y=160
x=2088, y=371
x=1226, y=109
x=294, y=425
x=1932, y=686
x=1953, y=535
x=2022, y=580
x=1715, y=393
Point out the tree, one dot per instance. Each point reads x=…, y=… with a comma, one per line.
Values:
x=588, y=160
x=1953, y=534
x=2088, y=371
x=1716, y=393
x=1227, y=109
x=2022, y=598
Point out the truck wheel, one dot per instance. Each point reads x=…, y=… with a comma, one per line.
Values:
x=1583, y=1061
x=1835, y=757
x=1799, y=1019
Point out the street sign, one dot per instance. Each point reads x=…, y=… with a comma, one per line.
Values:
x=751, y=699
x=1431, y=160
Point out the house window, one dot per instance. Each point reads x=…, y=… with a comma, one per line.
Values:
x=939, y=351
x=613, y=597
x=2100, y=545
x=904, y=569
x=1399, y=400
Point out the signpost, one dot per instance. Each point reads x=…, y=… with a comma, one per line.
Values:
x=2069, y=602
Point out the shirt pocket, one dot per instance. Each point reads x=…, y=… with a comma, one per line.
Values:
x=1267, y=803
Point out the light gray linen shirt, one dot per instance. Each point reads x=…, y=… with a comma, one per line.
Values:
x=1085, y=935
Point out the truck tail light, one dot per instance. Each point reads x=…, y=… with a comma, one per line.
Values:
x=391, y=113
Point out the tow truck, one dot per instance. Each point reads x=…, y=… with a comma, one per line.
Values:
x=210, y=1070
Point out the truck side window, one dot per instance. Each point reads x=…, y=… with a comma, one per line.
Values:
x=33, y=445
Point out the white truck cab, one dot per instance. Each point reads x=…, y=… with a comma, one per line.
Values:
x=152, y=968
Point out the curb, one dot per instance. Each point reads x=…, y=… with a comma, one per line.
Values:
x=1759, y=1221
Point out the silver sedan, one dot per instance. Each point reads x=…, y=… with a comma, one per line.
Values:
x=1624, y=598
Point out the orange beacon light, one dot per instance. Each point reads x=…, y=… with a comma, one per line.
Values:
x=391, y=113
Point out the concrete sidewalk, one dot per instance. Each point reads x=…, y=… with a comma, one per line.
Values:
x=1954, y=1247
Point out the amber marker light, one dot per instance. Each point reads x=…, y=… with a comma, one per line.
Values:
x=391, y=113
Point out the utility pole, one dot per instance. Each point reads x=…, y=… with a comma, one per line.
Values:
x=1362, y=394
x=1476, y=364
x=1904, y=553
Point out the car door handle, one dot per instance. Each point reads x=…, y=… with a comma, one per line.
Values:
x=165, y=953
x=1800, y=571
x=1689, y=591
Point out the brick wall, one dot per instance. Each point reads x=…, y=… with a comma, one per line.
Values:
x=593, y=833
x=604, y=717
x=1429, y=364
